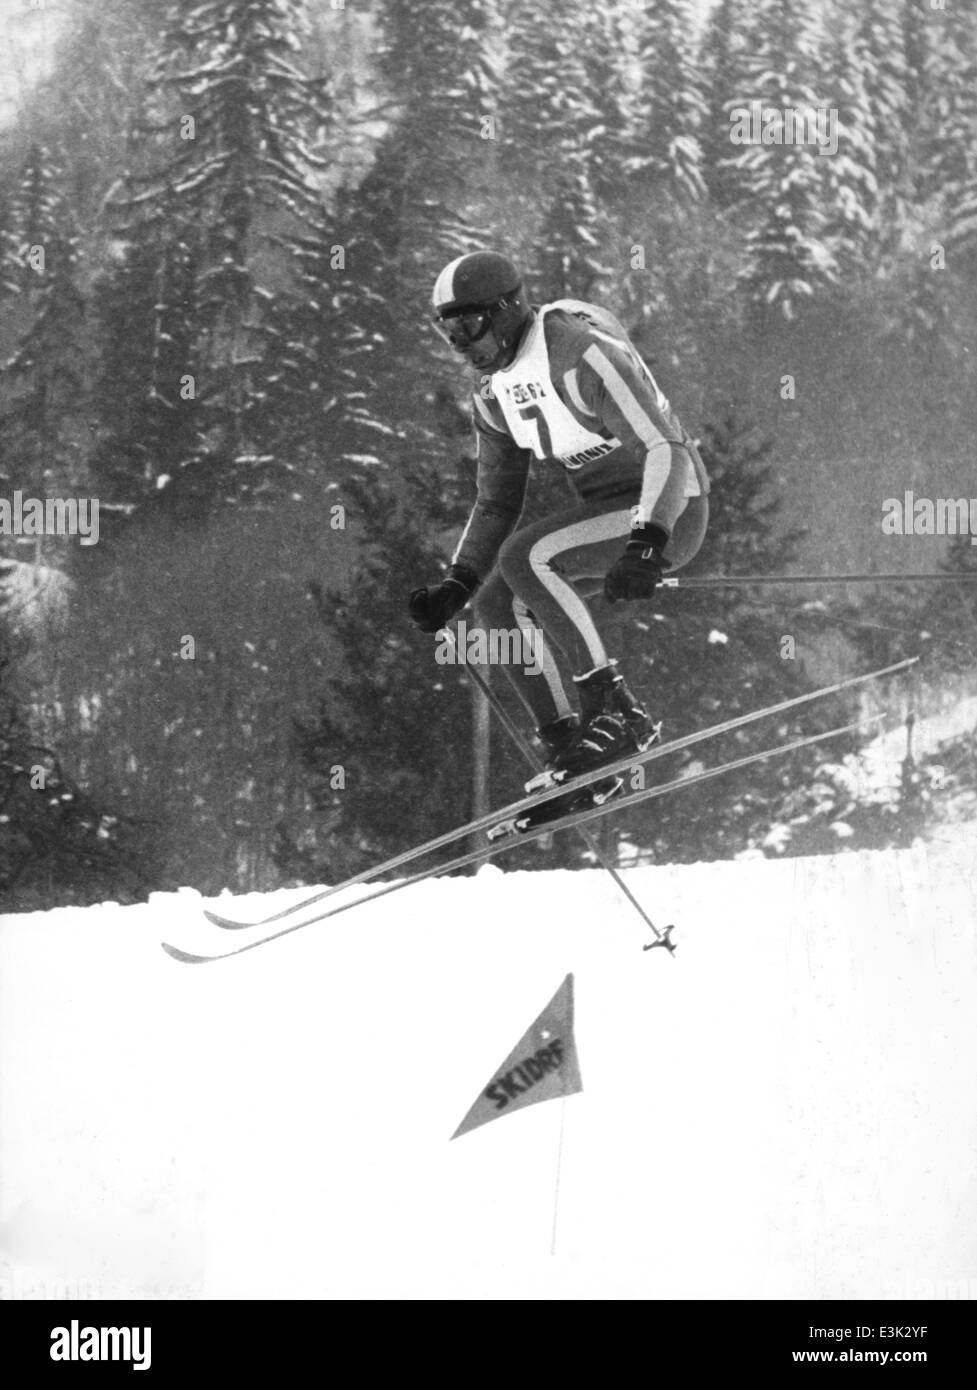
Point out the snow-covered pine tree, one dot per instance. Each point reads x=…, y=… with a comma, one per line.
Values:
x=58, y=843
x=556, y=123
x=789, y=258
x=668, y=111
x=935, y=621
x=41, y=380
x=148, y=427
x=233, y=122
x=88, y=99
x=371, y=358
x=946, y=781
x=435, y=61
x=702, y=656
x=548, y=104
x=721, y=61
x=398, y=437
x=879, y=80
x=852, y=222
x=607, y=48
x=935, y=71
x=950, y=610
x=570, y=259
x=955, y=161
x=398, y=721
x=924, y=301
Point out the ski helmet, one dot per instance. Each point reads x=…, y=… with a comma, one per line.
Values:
x=481, y=309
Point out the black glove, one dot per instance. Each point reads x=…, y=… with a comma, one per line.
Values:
x=436, y=605
x=639, y=571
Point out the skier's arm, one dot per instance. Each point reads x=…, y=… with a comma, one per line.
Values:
x=621, y=394
x=503, y=470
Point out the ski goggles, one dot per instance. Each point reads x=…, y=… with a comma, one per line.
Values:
x=461, y=330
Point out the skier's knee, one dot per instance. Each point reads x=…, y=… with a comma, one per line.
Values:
x=689, y=533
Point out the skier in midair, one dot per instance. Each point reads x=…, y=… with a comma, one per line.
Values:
x=562, y=383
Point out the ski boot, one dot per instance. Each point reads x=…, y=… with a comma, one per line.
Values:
x=558, y=738
x=555, y=738
x=612, y=724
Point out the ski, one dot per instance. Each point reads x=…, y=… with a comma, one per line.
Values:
x=513, y=811
x=491, y=850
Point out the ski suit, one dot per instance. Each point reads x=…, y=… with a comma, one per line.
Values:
x=576, y=394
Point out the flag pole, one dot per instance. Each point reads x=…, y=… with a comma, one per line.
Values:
x=559, y=1173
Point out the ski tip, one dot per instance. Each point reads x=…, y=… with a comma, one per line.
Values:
x=228, y=923
x=186, y=957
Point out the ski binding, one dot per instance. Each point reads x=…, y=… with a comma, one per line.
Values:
x=582, y=800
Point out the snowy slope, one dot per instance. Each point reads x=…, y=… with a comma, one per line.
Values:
x=785, y=1109
x=882, y=758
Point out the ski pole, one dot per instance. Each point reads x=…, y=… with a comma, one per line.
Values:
x=663, y=938
x=719, y=581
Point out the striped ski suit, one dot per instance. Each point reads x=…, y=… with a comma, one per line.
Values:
x=577, y=394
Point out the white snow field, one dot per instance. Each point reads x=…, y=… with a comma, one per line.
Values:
x=785, y=1109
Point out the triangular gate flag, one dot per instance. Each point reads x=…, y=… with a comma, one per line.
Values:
x=542, y=1065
